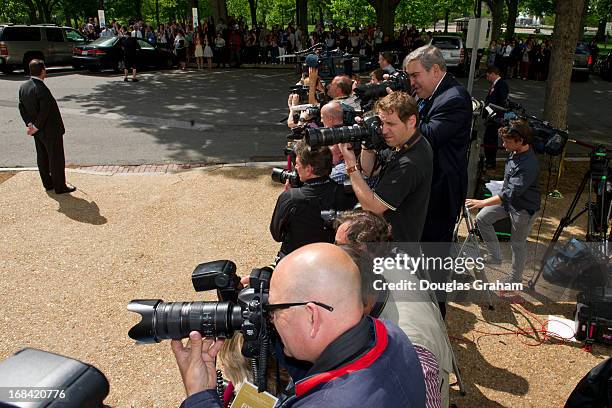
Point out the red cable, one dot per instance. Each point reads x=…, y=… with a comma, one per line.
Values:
x=525, y=331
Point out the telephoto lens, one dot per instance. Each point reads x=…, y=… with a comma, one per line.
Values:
x=282, y=175
x=330, y=136
x=369, y=132
x=175, y=320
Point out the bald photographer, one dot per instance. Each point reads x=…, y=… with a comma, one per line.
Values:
x=315, y=305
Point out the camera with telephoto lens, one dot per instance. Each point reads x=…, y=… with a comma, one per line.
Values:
x=369, y=93
x=282, y=175
x=237, y=310
x=368, y=133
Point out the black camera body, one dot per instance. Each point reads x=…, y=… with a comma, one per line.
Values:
x=282, y=175
x=301, y=91
x=368, y=94
x=237, y=310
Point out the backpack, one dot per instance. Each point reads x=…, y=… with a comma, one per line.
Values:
x=595, y=388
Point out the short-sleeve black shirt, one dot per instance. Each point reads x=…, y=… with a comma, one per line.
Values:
x=404, y=187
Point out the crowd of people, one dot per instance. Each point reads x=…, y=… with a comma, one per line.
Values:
x=232, y=42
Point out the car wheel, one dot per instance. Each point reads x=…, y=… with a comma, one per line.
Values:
x=6, y=69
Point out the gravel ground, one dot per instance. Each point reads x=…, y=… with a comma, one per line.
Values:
x=71, y=264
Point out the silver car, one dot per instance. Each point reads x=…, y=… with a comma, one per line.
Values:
x=19, y=44
x=453, y=51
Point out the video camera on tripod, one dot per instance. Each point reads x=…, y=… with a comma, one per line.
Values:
x=546, y=138
x=328, y=62
x=237, y=310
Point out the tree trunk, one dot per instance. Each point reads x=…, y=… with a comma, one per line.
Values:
x=385, y=14
x=564, y=40
x=446, y=21
x=32, y=12
x=138, y=9
x=301, y=11
x=583, y=20
x=601, y=29
x=157, y=12
x=219, y=10
x=497, y=8
x=320, y=14
x=100, y=4
x=512, y=14
x=253, y=9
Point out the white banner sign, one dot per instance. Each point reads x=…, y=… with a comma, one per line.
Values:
x=195, y=17
x=101, y=18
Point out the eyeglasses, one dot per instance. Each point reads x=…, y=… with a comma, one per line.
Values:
x=280, y=306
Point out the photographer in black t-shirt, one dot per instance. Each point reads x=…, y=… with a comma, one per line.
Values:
x=402, y=192
x=297, y=216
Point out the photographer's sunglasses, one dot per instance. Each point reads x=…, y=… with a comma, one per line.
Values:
x=281, y=306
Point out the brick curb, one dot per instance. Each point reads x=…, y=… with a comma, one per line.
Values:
x=150, y=169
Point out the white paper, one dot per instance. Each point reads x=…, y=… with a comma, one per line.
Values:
x=562, y=327
x=495, y=186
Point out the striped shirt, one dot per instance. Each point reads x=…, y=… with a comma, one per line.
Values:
x=429, y=364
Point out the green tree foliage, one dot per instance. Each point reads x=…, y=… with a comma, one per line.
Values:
x=423, y=13
x=352, y=13
x=13, y=11
x=537, y=7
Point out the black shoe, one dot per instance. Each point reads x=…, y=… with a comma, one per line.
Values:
x=489, y=260
x=135, y=80
x=125, y=79
x=68, y=189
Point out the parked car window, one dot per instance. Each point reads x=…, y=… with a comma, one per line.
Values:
x=582, y=48
x=446, y=43
x=54, y=34
x=74, y=36
x=21, y=34
x=145, y=45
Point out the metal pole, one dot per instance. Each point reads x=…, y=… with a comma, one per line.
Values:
x=475, y=47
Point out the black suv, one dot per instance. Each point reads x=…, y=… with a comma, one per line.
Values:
x=19, y=44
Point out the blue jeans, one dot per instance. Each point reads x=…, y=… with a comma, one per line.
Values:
x=521, y=222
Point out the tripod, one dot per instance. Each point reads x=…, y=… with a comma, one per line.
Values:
x=598, y=210
x=470, y=247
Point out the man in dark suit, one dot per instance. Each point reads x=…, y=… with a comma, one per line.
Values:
x=497, y=95
x=41, y=115
x=445, y=115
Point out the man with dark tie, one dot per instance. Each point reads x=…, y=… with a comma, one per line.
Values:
x=42, y=117
x=445, y=118
x=497, y=95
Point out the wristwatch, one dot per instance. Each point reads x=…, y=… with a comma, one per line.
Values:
x=351, y=169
